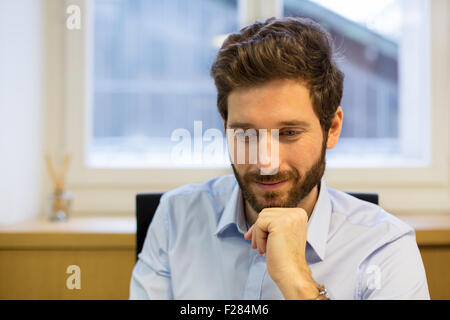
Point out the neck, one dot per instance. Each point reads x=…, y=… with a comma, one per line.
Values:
x=306, y=204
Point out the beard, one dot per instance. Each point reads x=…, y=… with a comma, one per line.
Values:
x=301, y=185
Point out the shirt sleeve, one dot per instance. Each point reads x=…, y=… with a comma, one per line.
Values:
x=151, y=275
x=394, y=271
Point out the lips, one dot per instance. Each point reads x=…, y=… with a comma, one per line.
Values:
x=270, y=182
x=271, y=185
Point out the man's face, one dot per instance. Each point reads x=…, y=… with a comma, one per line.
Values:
x=284, y=105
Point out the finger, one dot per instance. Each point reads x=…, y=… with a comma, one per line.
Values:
x=264, y=244
x=248, y=235
x=261, y=239
x=253, y=238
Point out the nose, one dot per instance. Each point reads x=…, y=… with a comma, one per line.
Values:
x=268, y=151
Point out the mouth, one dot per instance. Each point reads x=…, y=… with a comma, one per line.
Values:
x=271, y=185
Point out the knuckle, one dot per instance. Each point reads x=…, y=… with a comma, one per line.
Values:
x=295, y=216
x=264, y=212
x=301, y=214
x=288, y=218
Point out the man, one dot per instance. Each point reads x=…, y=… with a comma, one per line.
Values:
x=282, y=234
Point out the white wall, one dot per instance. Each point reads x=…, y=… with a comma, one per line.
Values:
x=21, y=83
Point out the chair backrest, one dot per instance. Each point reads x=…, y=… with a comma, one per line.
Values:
x=146, y=204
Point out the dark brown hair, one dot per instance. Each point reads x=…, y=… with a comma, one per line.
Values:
x=284, y=48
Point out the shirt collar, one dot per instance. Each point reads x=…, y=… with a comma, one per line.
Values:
x=318, y=223
x=233, y=214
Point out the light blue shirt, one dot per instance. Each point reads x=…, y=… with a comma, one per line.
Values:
x=195, y=249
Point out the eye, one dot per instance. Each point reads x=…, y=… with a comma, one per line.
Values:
x=290, y=133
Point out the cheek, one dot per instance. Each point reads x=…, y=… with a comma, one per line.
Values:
x=240, y=156
x=301, y=154
x=241, y=169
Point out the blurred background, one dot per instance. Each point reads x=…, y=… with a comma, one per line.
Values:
x=109, y=81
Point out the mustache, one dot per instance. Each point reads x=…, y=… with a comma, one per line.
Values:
x=279, y=176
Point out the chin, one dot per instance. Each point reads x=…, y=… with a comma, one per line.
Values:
x=271, y=203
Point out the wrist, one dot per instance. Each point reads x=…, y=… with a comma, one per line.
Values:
x=300, y=291
x=299, y=288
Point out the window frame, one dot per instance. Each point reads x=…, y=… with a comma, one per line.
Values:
x=400, y=189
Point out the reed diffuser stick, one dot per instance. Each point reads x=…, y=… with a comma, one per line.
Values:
x=52, y=171
x=59, y=206
x=58, y=179
x=62, y=176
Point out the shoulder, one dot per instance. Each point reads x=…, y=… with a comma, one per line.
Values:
x=198, y=200
x=214, y=189
x=365, y=219
x=382, y=246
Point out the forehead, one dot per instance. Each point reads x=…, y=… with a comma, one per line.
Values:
x=271, y=103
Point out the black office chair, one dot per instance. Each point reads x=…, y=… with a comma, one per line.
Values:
x=146, y=204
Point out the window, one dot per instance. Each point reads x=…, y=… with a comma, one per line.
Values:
x=109, y=165
x=151, y=63
x=369, y=37
x=150, y=74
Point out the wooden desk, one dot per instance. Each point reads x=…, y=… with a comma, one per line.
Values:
x=34, y=257
x=433, y=238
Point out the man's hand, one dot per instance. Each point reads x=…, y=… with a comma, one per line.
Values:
x=280, y=233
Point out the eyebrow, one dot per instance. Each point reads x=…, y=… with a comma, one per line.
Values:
x=293, y=123
x=289, y=123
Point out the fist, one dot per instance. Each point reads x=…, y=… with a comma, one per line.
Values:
x=280, y=233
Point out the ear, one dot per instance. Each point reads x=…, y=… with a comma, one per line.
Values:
x=335, y=128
